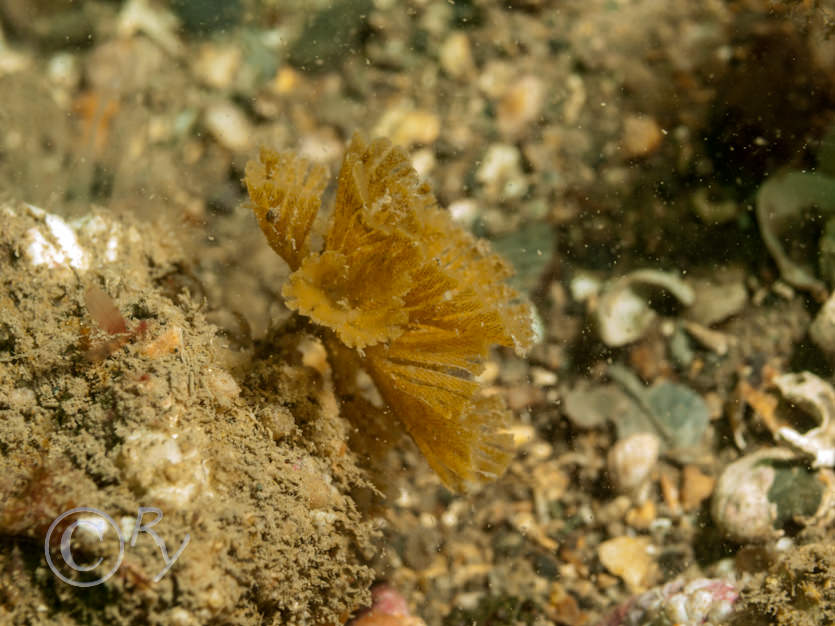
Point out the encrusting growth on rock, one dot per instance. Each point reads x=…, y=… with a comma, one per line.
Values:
x=417, y=299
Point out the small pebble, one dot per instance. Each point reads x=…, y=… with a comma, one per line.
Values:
x=464, y=211
x=641, y=517
x=565, y=607
x=542, y=377
x=629, y=559
x=178, y=616
x=696, y=487
x=631, y=460
x=286, y=80
x=217, y=66
x=424, y=162
x=407, y=127
x=641, y=136
x=158, y=24
x=229, y=125
x=456, y=57
x=520, y=105
x=501, y=173
x=669, y=492
x=322, y=146
x=64, y=70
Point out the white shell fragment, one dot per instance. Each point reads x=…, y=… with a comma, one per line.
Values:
x=623, y=315
x=816, y=397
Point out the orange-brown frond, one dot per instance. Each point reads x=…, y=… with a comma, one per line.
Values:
x=285, y=191
x=436, y=347
x=466, y=445
x=356, y=293
x=343, y=297
x=419, y=298
x=444, y=392
x=505, y=317
x=378, y=186
x=479, y=309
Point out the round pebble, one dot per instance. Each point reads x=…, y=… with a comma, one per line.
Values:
x=631, y=460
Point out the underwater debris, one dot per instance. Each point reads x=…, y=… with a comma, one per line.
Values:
x=817, y=398
x=758, y=495
x=780, y=204
x=417, y=299
x=699, y=601
x=623, y=312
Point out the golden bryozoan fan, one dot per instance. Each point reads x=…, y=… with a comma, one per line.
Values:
x=419, y=299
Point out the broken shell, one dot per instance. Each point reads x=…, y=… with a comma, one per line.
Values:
x=584, y=286
x=223, y=386
x=631, y=460
x=816, y=397
x=780, y=204
x=758, y=494
x=623, y=314
x=716, y=302
x=716, y=342
x=740, y=505
x=711, y=211
x=73, y=247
